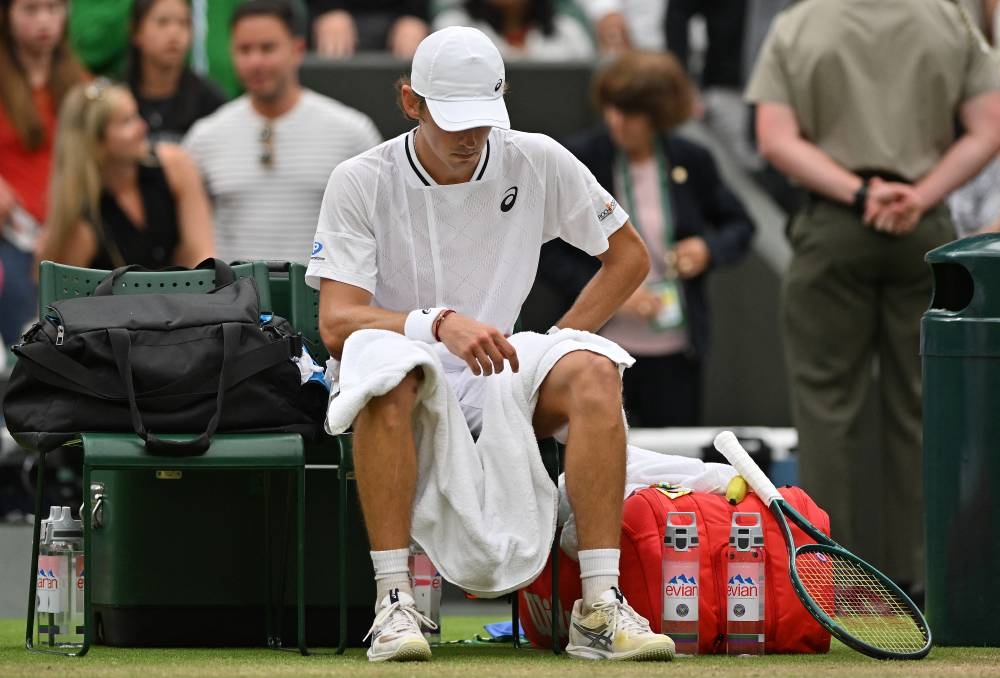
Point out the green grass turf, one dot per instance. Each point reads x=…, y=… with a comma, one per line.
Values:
x=464, y=661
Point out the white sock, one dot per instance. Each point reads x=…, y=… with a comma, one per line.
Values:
x=598, y=572
x=392, y=571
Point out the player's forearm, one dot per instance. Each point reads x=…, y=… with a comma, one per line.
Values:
x=623, y=268
x=340, y=321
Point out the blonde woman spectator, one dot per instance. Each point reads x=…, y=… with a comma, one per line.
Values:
x=37, y=67
x=523, y=29
x=115, y=200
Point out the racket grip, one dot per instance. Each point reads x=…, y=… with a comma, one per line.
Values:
x=727, y=444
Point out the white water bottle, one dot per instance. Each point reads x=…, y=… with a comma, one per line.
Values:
x=60, y=581
x=681, y=575
x=744, y=560
x=426, y=583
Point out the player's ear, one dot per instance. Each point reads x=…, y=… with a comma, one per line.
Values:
x=411, y=103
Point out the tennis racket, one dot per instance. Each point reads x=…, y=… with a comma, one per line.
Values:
x=856, y=603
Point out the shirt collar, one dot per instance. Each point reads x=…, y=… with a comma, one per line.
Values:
x=424, y=176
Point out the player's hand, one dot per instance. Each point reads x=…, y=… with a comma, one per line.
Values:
x=335, y=34
x=643, y=304
x=405, y=35
x=692, y=257
x=481, y=346
x=612, y=33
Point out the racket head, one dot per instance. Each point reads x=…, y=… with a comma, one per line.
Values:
x=857, y=604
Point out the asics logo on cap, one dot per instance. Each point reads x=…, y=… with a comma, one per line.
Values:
x=509, y=197
x=496, y=87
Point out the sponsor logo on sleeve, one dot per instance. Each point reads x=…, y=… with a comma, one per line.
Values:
x=609, y=208
x=317, y=251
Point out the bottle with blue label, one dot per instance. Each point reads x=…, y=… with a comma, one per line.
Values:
x=681, y=574
x=60, y=581
x=744, y=561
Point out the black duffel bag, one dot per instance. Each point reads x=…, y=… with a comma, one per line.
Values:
x=164, y=363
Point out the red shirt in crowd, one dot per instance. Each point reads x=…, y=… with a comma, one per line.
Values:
x=27, y=172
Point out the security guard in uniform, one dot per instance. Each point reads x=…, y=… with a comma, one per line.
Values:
x=857, y=102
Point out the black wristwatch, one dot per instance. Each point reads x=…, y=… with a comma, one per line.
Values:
x=861, y=199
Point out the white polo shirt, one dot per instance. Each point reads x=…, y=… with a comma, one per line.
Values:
x=386, y=226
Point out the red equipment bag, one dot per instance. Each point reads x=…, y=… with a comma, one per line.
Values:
x=788, y=627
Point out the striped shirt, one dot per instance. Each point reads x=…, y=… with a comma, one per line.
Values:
x=267, y=194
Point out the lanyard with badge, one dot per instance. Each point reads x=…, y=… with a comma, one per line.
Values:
x=668, y=288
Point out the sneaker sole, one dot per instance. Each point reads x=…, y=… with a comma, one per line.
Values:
x=660, y=652
x=413, y=651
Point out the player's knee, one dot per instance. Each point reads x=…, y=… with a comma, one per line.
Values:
x=392, y=411
x=596, y=386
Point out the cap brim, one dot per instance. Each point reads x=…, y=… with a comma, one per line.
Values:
x=455, y=116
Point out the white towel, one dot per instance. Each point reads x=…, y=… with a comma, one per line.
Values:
x=484, y=511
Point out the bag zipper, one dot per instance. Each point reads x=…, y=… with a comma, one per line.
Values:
x=53, y=316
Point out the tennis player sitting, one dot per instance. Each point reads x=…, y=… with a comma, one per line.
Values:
x=448, y=219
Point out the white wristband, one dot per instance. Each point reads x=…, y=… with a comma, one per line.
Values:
x=420, y=324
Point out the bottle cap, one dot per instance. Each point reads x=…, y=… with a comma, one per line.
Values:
x=61, y=527
x=681, y=532
x=746, y=532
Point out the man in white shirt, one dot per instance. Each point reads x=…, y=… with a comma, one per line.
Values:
x=448, y=220
x=266, y=156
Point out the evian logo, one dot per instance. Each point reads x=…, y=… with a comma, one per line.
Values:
x=738, y=587
x=47, y=580
x=681, y=586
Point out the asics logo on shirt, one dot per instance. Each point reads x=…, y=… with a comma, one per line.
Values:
x=509, y=197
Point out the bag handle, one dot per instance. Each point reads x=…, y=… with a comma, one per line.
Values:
x=223, y=274
x=121, y=345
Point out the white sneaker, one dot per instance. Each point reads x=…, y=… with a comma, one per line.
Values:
x=613, y=630
x=395, y=633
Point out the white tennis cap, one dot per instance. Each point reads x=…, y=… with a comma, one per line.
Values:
x=460, y=73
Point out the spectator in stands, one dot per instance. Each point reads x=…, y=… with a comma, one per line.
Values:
x=690, y=220
x=877, y=148
x=114, y=200
x=975, y=207
x=623, y=24
x=343, y=27
x=267, y=155
x=99, y=31
x=170, y=96
x=37, y=67
x=523, y=29
x=721, y=75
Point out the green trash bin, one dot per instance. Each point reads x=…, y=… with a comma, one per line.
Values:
x=960, y=348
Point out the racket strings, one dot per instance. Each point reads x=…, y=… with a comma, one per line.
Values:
x=859, y=602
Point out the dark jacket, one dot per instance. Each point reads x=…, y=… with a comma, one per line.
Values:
x=702, y=205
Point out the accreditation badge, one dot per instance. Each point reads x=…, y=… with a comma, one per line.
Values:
x=671, y=313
